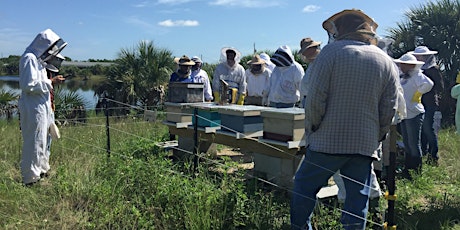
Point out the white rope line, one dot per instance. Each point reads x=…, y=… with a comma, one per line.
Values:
x=280, y=150
x=96, y=147
x=266, y=144
x=131, y=158
x=130, y=134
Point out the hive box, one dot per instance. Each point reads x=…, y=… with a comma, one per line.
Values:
x=185, y=92
x=180, y=113
x=208, y=115
x=241, y=118
x=285, y=125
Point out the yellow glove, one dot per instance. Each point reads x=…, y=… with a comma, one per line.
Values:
x=241, y=100
x=458, y=78
x=417, y=97
x=216, y=97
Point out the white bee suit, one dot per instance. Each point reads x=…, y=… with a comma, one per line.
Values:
x=34, y=104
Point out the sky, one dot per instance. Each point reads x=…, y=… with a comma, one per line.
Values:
x=97, y=29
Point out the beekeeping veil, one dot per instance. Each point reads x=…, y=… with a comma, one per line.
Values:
x=46, y=45
x=54, y=63
x=351, y=24
x=223, y=54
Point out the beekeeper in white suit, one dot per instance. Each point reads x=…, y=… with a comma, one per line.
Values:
x=35, y=110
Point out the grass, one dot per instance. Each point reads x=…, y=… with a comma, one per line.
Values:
x=139, y=187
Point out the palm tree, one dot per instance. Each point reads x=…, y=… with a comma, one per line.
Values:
x=8, y=103
x=140, y=75
x=70, y=106
x=437, y=26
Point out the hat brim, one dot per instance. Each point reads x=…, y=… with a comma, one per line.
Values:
x=225, y=49
x=313, y=44
x=409, y=62
x=328, y=23
x=425, y=53
x=256, y=63
x=189, y=63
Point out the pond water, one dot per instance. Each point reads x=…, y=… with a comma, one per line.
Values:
x=11, y=83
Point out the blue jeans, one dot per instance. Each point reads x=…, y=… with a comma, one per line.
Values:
x=313, y=174
x=411, y=130
x=429, y=140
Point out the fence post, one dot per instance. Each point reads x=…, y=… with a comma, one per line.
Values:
x=391, y=183
x=107, y=125
x=195, y=140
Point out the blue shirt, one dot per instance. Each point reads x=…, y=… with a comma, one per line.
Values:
x=176, y=78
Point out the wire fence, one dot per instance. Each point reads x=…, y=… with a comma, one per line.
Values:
x=138, y=117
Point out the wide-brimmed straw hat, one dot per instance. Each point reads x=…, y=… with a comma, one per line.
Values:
x=329, y=24
x=423, y=50
x=184, y=60
x=409, y=59
x=306, y=43
x=256, y=60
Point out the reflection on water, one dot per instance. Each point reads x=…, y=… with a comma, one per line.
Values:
x=83, y=88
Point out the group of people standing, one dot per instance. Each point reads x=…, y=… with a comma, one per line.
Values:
x=353, y=91
x=269, y=81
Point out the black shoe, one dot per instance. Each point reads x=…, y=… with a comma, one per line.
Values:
x=32, y=183
x=44, y=175
x=406, y=174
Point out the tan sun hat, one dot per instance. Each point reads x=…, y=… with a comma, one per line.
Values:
x=256, y=60
x=184, y=60
x=330, y=23
x=306, y=43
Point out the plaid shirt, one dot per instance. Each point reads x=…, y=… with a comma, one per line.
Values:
x=351, y=98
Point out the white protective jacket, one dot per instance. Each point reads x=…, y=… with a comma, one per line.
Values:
x=200, y=76
x=257, y=84
x=416, y=82
x=285, y=84
x=34, y=104
x=235, y=76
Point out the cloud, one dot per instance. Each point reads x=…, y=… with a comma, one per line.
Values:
x=171, y=23
x=310, y=8
x=246, y=3
x=172, y=2
x=141, y=4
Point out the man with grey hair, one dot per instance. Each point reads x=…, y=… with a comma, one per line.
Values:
x=350, y=102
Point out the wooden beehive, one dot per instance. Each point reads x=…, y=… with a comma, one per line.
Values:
x=185, y=92
x=208, y=115
x=179, y=112
x=286, y=124
x=241, y=118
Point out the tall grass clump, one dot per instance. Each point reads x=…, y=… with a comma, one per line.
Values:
x=134, y=186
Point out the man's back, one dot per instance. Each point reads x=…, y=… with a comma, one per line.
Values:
x=351, y=98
